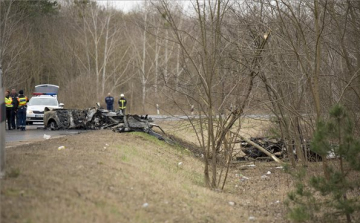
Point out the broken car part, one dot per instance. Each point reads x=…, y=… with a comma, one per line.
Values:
x=275, y=147
x=98, y=118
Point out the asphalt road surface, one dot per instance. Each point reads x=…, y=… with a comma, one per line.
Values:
x=35, y=132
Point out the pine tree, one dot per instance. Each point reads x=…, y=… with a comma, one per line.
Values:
x=332, y=199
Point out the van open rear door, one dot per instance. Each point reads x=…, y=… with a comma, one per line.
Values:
x=46, y=89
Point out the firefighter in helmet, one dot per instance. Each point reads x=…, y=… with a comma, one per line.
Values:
x=122, y=104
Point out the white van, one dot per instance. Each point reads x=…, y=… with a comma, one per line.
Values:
x=45, y=95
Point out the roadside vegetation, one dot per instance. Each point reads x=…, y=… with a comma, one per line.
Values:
x=216, y=63
x=331, y=197
x=103, y=176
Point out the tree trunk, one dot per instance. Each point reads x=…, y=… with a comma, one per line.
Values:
x=105, y=56
x=143, y=72
x=315, y=77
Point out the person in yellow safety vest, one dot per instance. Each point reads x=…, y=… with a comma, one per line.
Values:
x=9, y=108
x=122, y=104
x=23, y=100
x=14, y=121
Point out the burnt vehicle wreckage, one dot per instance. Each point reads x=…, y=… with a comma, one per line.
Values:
x=276, y=147
x=98, y=118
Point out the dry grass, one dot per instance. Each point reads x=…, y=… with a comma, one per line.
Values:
x=250, y=127
x=86, y=182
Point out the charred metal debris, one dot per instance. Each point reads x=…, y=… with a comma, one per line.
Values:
x=98, y=118
x=274, y=146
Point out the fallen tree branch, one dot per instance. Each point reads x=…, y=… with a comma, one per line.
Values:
x=259, y=148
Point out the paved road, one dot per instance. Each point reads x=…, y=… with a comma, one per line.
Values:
x=36, y=132
x=184, y=117
x=169, y=117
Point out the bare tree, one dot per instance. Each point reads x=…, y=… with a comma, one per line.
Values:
x=13, y=42
x=204, y=67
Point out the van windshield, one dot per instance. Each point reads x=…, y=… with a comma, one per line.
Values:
x=43, y=101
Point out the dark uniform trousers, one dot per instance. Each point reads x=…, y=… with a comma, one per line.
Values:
x=9, y=113
x=22, y=117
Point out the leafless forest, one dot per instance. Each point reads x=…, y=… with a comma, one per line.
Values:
x=287, y=61
x=300, y=57
x=293, y=60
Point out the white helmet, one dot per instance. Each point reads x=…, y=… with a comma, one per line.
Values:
x=122, y=95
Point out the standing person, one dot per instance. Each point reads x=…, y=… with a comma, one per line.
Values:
x=22, y=100
x=122, y=104
x=9, y=108
x=109, y=100
x=14, y=121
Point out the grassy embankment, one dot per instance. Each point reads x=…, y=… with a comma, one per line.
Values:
x=136, y=178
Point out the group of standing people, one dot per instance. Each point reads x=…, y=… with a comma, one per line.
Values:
x=109, y=100
x=16, y=105
x=16, y=109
